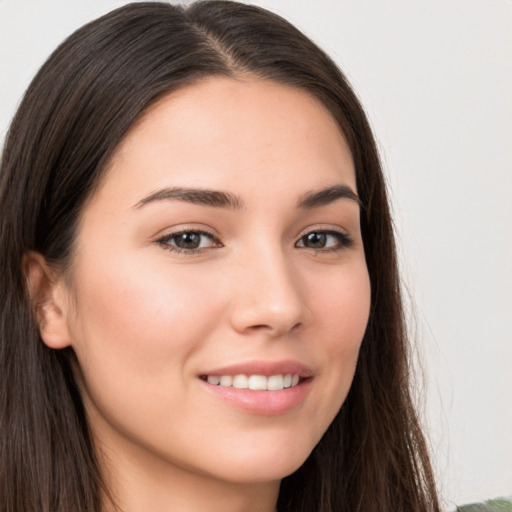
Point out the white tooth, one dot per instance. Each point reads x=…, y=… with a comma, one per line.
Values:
x=295, y=380
x=240, y=381
x=275, y=383
x=213, y=379
x=287, y=381
x=226, y=381
x=257, y=382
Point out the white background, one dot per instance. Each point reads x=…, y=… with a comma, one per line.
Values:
x=436, y=80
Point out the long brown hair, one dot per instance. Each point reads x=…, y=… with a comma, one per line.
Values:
x=74, y=115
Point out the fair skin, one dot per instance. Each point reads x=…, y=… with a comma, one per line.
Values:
x=166, y=294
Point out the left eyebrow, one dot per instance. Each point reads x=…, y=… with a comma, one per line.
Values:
x=327, y=196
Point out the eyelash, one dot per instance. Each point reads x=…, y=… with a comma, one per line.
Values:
x=344, y=241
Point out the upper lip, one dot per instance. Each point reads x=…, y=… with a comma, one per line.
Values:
x=265, y=368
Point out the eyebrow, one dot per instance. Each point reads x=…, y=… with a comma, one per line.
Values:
x=220, y=199
x=328, y=195
x=202, y=197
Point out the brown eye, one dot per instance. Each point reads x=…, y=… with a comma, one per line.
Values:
x=325, y=241
x=315, y=240
x=188, y=241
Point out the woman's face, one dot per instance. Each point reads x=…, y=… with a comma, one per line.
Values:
x=223, y=241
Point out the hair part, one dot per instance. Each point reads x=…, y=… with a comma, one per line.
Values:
x=74, y=115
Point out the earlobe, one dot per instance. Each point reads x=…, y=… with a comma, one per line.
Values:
x=47, y=300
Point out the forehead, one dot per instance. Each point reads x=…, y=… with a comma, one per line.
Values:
x=225, y=131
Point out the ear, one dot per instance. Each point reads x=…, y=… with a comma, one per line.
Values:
x=48, y=299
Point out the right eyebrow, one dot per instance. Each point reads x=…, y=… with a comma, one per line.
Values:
x=204, y=197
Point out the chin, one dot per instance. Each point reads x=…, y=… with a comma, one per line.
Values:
x=262, y=464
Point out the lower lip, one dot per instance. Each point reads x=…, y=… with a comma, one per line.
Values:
x=264, y=403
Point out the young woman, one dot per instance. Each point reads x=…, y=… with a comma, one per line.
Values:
x=200, y=307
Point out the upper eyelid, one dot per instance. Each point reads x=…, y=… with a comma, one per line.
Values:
x=325, y=231
x=189, y=230
x=172, y=234
x=324, y=228
x=184, y=228
x=215, y=236
x=210, y=232
x=341, y=233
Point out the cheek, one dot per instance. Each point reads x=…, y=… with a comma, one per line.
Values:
x=136, y=326
x=342, y=304
x=343, y=310
x=134, y=304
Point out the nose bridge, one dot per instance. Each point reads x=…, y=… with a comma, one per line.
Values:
x=269, y=291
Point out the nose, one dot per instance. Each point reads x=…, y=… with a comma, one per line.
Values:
x=270, y=298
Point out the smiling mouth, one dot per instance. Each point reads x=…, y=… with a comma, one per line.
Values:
x=254, y=382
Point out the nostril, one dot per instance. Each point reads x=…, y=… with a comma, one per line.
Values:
x=275, y=328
